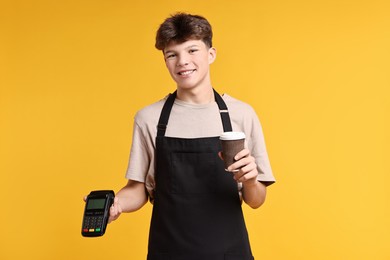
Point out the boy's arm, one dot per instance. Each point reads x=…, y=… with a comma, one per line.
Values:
x=130, y=198
x=254, y=194
x=253, y=191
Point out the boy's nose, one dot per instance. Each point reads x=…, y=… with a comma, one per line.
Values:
x=182, y=61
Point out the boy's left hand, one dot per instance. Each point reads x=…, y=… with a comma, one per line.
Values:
x=245, y=168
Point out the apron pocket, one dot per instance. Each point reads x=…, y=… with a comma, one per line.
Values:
x=194, y=173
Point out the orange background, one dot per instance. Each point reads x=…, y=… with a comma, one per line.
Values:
x=74, y=73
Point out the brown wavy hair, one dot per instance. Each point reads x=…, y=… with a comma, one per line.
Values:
x=182, y=27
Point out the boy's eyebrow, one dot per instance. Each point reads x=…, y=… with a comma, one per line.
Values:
x=169, y=50
x=192, y=46
x=188, y=47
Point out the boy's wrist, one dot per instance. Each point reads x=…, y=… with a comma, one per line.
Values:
x=250, y=183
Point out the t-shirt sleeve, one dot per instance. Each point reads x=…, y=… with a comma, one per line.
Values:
x=142, y=155
x=139, y=157
x=259, y=151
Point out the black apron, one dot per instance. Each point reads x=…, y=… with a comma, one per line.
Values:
x=197, y=211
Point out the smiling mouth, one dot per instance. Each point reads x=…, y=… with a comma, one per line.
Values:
x=185, y=73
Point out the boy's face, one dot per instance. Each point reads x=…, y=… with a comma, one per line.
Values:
x=189, y=62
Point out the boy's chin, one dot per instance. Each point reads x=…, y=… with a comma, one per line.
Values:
x=185, y=86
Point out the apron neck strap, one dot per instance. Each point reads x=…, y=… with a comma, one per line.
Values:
x=223, y=110
x=166, y=111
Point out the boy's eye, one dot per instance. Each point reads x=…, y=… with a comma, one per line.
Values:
x=193, y=50
x=170, y=56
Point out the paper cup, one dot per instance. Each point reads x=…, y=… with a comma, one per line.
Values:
x=232, y=143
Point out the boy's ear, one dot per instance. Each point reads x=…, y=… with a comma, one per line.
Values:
x=212, y=55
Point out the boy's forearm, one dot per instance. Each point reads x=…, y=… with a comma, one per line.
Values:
x=132, y=196
x=254, y=194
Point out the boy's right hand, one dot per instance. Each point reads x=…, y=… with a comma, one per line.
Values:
x=115, y=210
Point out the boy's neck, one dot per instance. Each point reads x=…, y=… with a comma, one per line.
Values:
x=196, y=96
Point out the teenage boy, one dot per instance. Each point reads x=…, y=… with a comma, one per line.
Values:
x=175, y=156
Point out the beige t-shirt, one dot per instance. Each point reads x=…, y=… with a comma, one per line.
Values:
x=193, y=121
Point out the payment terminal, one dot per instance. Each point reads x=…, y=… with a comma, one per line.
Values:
x=96, y=213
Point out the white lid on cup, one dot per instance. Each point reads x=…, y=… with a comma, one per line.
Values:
x=232, y=136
